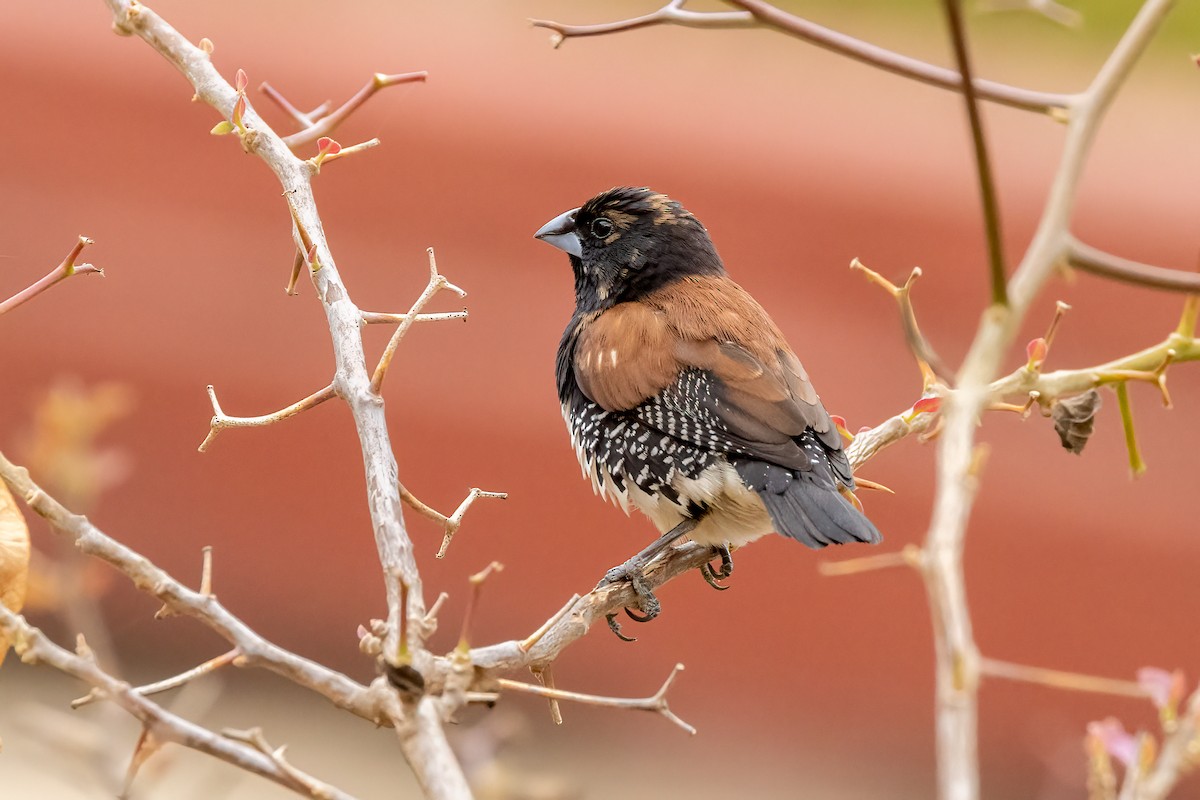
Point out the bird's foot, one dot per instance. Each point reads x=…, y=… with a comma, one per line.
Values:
x=713, y=576
x=647, y=603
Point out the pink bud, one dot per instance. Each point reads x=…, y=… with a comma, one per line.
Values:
x=1036, y=350
x=239, y=108
x=1117, y=742
x=839, y=421
x=927, y=405
x=241, y=80
x=1165, y=688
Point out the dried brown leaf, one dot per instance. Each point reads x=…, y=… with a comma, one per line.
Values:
x=14, y=557
x=1075, y=419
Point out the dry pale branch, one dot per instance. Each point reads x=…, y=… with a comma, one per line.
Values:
x=65, y=269
x=384, y=318
x=256, y=650
x=1179, y=754
x=317, y=123
x=221, y=420
x=452, y=523
x=351, y=379
x=908, y=556
x=332, y=151
x=173, y=682
x=957, y=654
x=34, y=647
x=437, y=282
x=1060, y=679
x=930, y=364
x=657, y=702
x=760, y=14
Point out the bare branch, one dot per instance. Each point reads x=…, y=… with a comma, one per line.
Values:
x=957, y=659
x=316, y=127
x=1105, y=265
x=65, y=269
x=452, y=523
x=759, y=13
x=437, y=282
x=1180, y=753
x=930, y=364
x=983, y=164
x=909, y=556
x=1060, y=679
x=384, y=318
x=221, y=420
x=256, y=650
x=657, y=702
x=174, y=682
x=33, y=646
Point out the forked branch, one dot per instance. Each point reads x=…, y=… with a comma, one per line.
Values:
x=65, y=269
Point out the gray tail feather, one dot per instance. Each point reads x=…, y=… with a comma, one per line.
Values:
x=817, y=515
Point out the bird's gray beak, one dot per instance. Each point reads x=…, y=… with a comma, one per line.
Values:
x=560, y=232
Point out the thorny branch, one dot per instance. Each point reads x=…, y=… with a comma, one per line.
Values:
x=317, y=123
x=976, y=386
x=65, y=269
x=255, y=650
x=33, y=647
x=418, y=721
x=656, y=702
x=221, y=420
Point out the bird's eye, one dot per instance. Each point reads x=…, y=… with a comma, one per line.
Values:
x=601, y=228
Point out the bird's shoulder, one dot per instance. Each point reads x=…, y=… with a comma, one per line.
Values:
x=630, y=353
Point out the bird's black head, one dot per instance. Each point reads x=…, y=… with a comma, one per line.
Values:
x=626, y=242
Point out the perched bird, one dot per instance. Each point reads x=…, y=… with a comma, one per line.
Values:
x=681, y=395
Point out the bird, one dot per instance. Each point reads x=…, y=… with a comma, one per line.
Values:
x=682, y=397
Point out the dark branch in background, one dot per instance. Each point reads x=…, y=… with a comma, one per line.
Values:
x=1105, y=265
x=983, y=164
x=904, y=66
x=759, y=14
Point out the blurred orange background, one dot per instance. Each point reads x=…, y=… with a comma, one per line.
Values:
x=797, y=161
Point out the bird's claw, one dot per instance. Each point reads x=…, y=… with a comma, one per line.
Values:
x=713, y=576
x=615, y=627
x=647, y=603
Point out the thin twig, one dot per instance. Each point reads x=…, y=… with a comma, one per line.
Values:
x=930, y=364
x=909, y=556
x=65, y=269
x=1060, y=679
x=221, y=420
x=656, y=702
x=325, y=125
x=33, y=646
x=983, y=164
x=1105, y=265
x=145, y=576
x=759, y=13
x=437, y=282
x=384, y=318
x=174, y=682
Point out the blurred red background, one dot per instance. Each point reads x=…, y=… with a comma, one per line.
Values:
x=797, y=161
